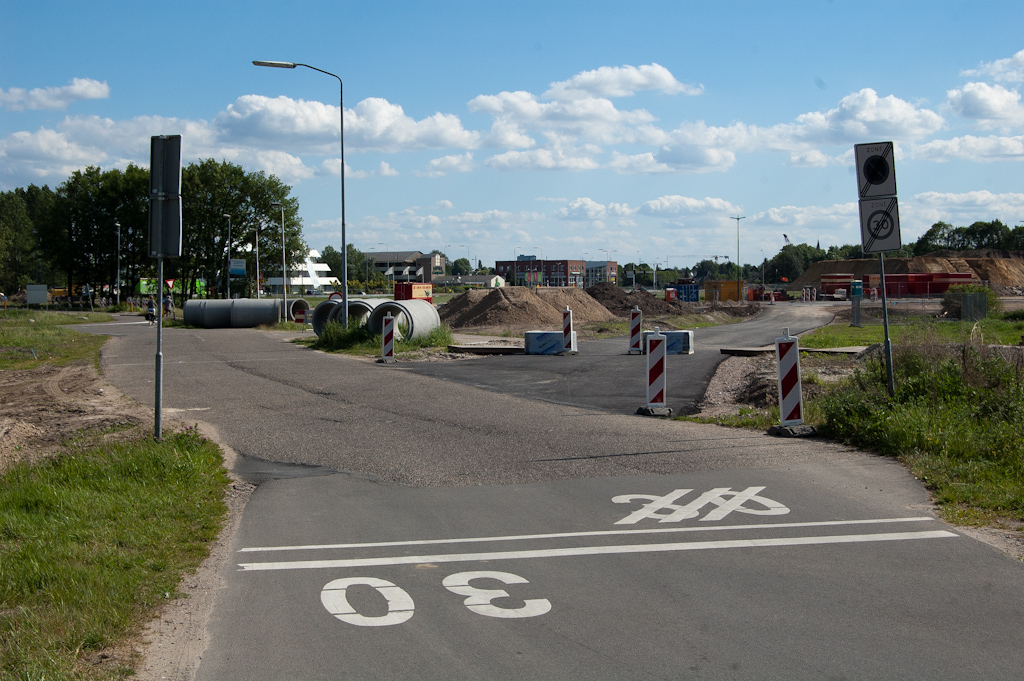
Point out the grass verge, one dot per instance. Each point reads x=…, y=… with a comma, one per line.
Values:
x=30, y=338
x=92, y=541
x=955, y=420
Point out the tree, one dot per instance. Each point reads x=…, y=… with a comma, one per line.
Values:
x=982, y=235
x=461, y=267
x=17, y=243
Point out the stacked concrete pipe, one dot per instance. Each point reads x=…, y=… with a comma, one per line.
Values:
x=242, y=313
x=417, y=318
x=359, y=310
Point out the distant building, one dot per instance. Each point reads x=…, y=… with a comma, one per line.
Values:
x=471, y=281
x=528, y=270
x=408, y=265
x=310, y=275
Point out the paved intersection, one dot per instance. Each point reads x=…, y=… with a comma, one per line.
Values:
x=627, y=547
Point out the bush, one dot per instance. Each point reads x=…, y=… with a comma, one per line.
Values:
x=952, y=297
x=954, y=420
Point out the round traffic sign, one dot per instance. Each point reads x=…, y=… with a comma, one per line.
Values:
x=876, y=169
x=880, y=224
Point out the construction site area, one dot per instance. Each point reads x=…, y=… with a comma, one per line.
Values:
x=515, y=309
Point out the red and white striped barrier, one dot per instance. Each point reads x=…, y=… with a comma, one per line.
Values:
x=791, y=400
x=387, y=353
x=656, y=369
x=636, y=320
x=567, y=330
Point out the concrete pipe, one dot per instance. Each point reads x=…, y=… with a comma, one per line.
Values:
x=322, y=314
x=247, y=313
x=415, y=318
x=359, y=310
x=207, y=314
x=242, y=313
x=295, y=305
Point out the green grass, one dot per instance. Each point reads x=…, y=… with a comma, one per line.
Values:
x=357, y=340
x=27, y=332
x=913, y=329
x=955, y=421
x=92, y=541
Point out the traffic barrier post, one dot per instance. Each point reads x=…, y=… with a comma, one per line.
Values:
x=387, y=354
x=787, y=354
x=656, y=399
x=636, y=319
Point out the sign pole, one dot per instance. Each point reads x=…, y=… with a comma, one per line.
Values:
x=890, y=382
x=158, y=397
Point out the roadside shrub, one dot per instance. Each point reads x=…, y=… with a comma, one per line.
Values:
x=951, y=299
x=1014, y=315
x=956, y=421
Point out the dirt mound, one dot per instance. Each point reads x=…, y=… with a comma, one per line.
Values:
x=999, y=271
x=519, y=306
x=620, y=301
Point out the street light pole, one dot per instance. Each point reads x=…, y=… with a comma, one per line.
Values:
x=118, y=278
x=341, y=130
x=284, y=266
x=387, y=252
x=739, y=267
x=257, y=260
x=227, y=272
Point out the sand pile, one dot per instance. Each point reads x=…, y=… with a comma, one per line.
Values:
x=620, y=301
x=519, y=306
x=999, y=268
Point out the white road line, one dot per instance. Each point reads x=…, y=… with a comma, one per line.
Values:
x=593, y=551
x=596, y=533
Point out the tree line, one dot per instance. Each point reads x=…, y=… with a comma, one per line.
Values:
x=81, y=231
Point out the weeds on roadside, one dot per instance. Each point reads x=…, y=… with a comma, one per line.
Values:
x=357, y=340
x=955, y=420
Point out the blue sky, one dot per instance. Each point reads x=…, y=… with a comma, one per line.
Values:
x=491, y=129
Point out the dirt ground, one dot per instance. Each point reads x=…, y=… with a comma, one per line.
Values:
x=42, y=409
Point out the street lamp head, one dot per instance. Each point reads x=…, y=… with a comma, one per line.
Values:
x=276, y=64
x=225, y=215
x=276, y=204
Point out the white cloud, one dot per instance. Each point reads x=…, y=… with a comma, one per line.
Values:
x=970, y=206
x=1009, y=70
x=796, y=217
x=18, y=99
x=46, y=154
x=373, y=124
x=540, y=159
x=859, y=116
x=384, y=169
x=971, y=148
x=444, y=204
x=589, y=118
x=675, y=205
x=990, y=105
x=582, y=209
x=378, y=124
x=439, y=167
x=814, y=158
x=620, y=81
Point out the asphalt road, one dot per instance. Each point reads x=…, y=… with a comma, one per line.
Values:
x=395, y=511
x=605, y=376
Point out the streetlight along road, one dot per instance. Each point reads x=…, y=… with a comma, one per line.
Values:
x=341, y=129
